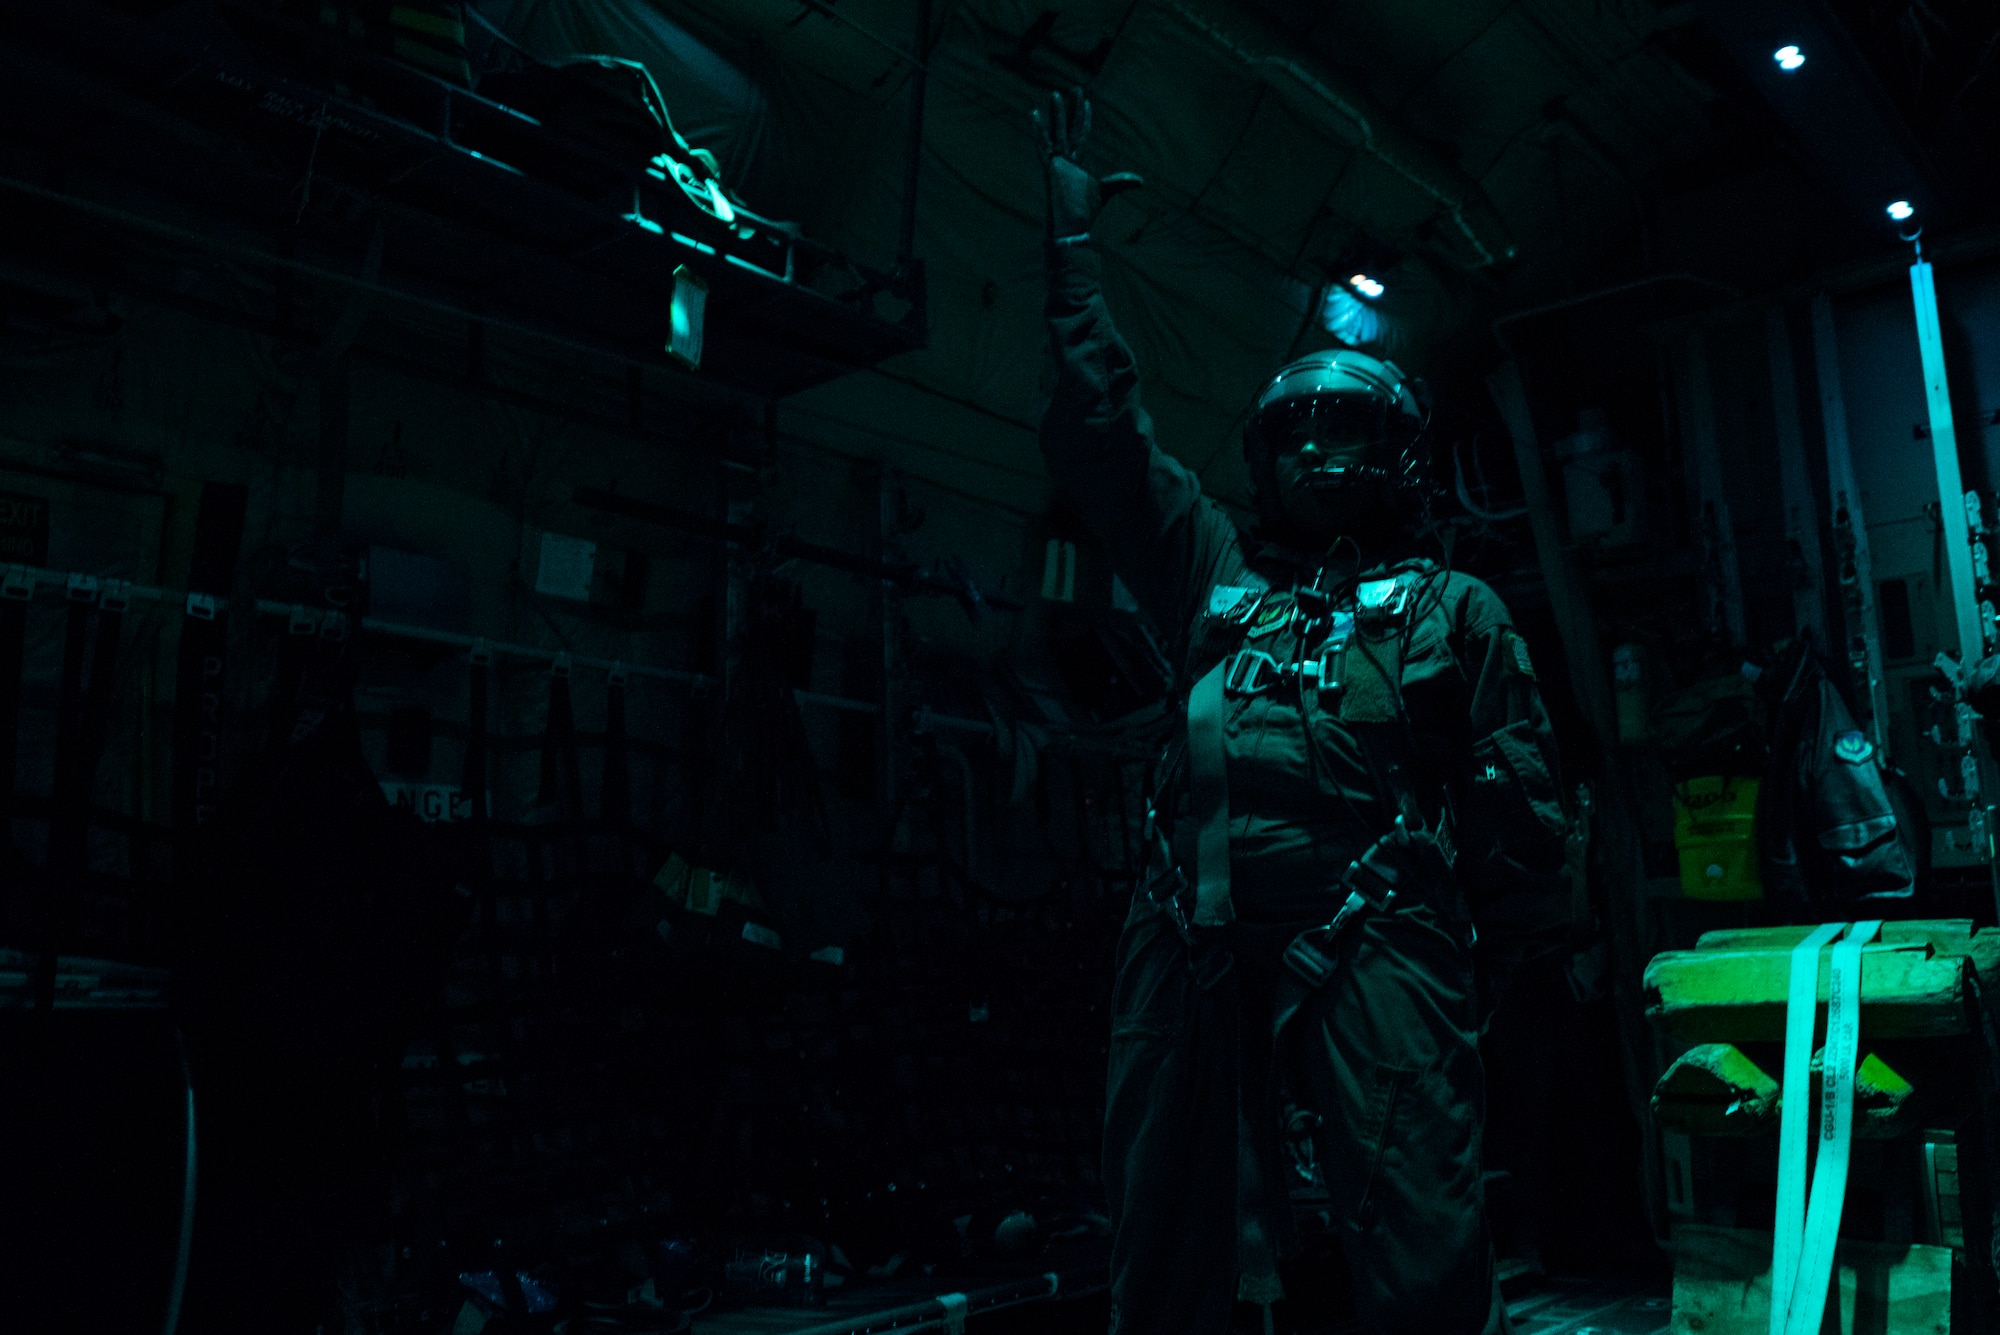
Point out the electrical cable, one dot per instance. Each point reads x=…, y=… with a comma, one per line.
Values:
x=1465, y=496
x=184, y=1237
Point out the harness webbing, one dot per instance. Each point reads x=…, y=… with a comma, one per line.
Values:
x=13, y=643
x=1208, y=793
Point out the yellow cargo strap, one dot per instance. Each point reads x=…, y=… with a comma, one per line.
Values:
x=1208, y=798
x=1805, y=1235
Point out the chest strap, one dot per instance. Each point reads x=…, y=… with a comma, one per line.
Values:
x=1208, y=797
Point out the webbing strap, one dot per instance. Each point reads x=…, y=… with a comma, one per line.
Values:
x=561, y=768
x=1795, y=1116
x=615, y=792
x=1208, y=794
x=13, y=645
x=473, y=785
x=1807, y=1306
x=90, y=657
x=201, y=658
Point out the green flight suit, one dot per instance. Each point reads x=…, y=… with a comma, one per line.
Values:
x=1386, y=1051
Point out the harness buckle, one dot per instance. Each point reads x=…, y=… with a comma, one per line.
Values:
x=1331, y=669
x=1170, y=903
x=1250, y=672
x=1309, y=954
x=1306, y=960
x=1376, y=862
x=1210, y=963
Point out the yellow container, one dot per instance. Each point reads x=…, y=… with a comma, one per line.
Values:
x=1715, y=832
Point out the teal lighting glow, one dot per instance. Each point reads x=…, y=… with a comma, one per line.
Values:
x=1366, y=286
x=1902, y=210
x=1349, y=320
x=1789, y=58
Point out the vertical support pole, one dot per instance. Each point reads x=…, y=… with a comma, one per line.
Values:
x=1591, y=682
x=1566, y=597
x=1963, y=596
x=1713, y=524
x=739, y=506
x=1957, y=514
x=1850, y=529
x=1801, y=514
x=920, y=51
x=330, y=494
x=889, y=531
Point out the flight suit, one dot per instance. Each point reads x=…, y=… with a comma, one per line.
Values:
x=1436, y=717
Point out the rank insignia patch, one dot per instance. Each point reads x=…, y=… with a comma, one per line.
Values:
x=1852, y=747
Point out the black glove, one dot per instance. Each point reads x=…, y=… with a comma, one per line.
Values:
x=1075, y=196
x=1981, y=687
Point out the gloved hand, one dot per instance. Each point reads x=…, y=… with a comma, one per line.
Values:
x=1075, y=196
x=1980, y=687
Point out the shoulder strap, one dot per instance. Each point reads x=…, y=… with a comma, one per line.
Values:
x=13, y=644
x=200, y=662
x=472, y=787
x=90, y=656
x=1216, y=636
x=615, y=799
x=1208, y=784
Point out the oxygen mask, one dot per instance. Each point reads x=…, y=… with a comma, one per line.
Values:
x=1331, y=458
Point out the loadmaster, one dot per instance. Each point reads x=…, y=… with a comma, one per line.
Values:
x=1363, y=770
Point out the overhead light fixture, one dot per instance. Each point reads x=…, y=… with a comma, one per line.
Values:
x=1789, y=58
x=1351, y=321
x=1902, y=211
x=1366, y=286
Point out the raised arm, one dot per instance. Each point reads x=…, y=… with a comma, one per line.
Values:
x=1166, y=540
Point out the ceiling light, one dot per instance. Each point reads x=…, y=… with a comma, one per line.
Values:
x=1352, y=322
x=1902, y=210
x=1789, y=58
x=1366, y=286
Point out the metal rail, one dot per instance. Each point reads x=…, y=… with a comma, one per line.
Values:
x=904, y=574
x=19, y=583
x=947, y=1311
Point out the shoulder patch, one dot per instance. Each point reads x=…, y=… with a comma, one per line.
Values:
x=1273, y=614
x=1379, y=604
x=1522, y=663
x=1852, y=747
x=1378, y=594
x=1227, y=599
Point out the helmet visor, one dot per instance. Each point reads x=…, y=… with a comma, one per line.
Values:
x=1341, y=431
